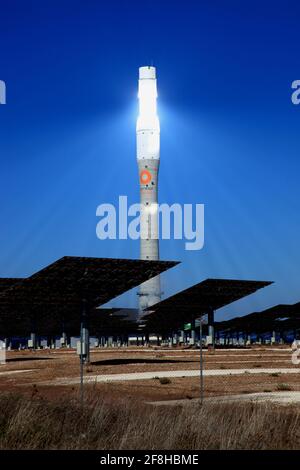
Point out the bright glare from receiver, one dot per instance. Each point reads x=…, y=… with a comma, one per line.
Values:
x=147, y=95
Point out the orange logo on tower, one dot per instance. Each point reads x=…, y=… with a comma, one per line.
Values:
x=145, y=177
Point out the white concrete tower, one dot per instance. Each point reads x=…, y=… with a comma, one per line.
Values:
x=148, y=143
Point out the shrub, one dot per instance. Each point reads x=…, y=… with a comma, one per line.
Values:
x=284, y=387
x=164, y=380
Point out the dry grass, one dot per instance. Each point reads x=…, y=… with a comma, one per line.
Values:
x=123, y=424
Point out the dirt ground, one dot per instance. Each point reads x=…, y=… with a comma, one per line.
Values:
x=42, y=367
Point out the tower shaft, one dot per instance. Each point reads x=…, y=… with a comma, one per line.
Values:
x=148, y=156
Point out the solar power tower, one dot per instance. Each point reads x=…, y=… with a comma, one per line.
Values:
x=148, y=157
x=203, y=298
x=75, y=286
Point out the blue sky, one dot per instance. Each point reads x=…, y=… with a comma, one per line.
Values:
x=229, y=133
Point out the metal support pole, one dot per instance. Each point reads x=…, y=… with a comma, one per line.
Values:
x=33, y=340
x=86, y=340
x=211, y=332
x=83, y=345
x=63, y=339
x=181, y=337
x=273, y=339
x=81, y=365
x=201, y=365
x=193, y=335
